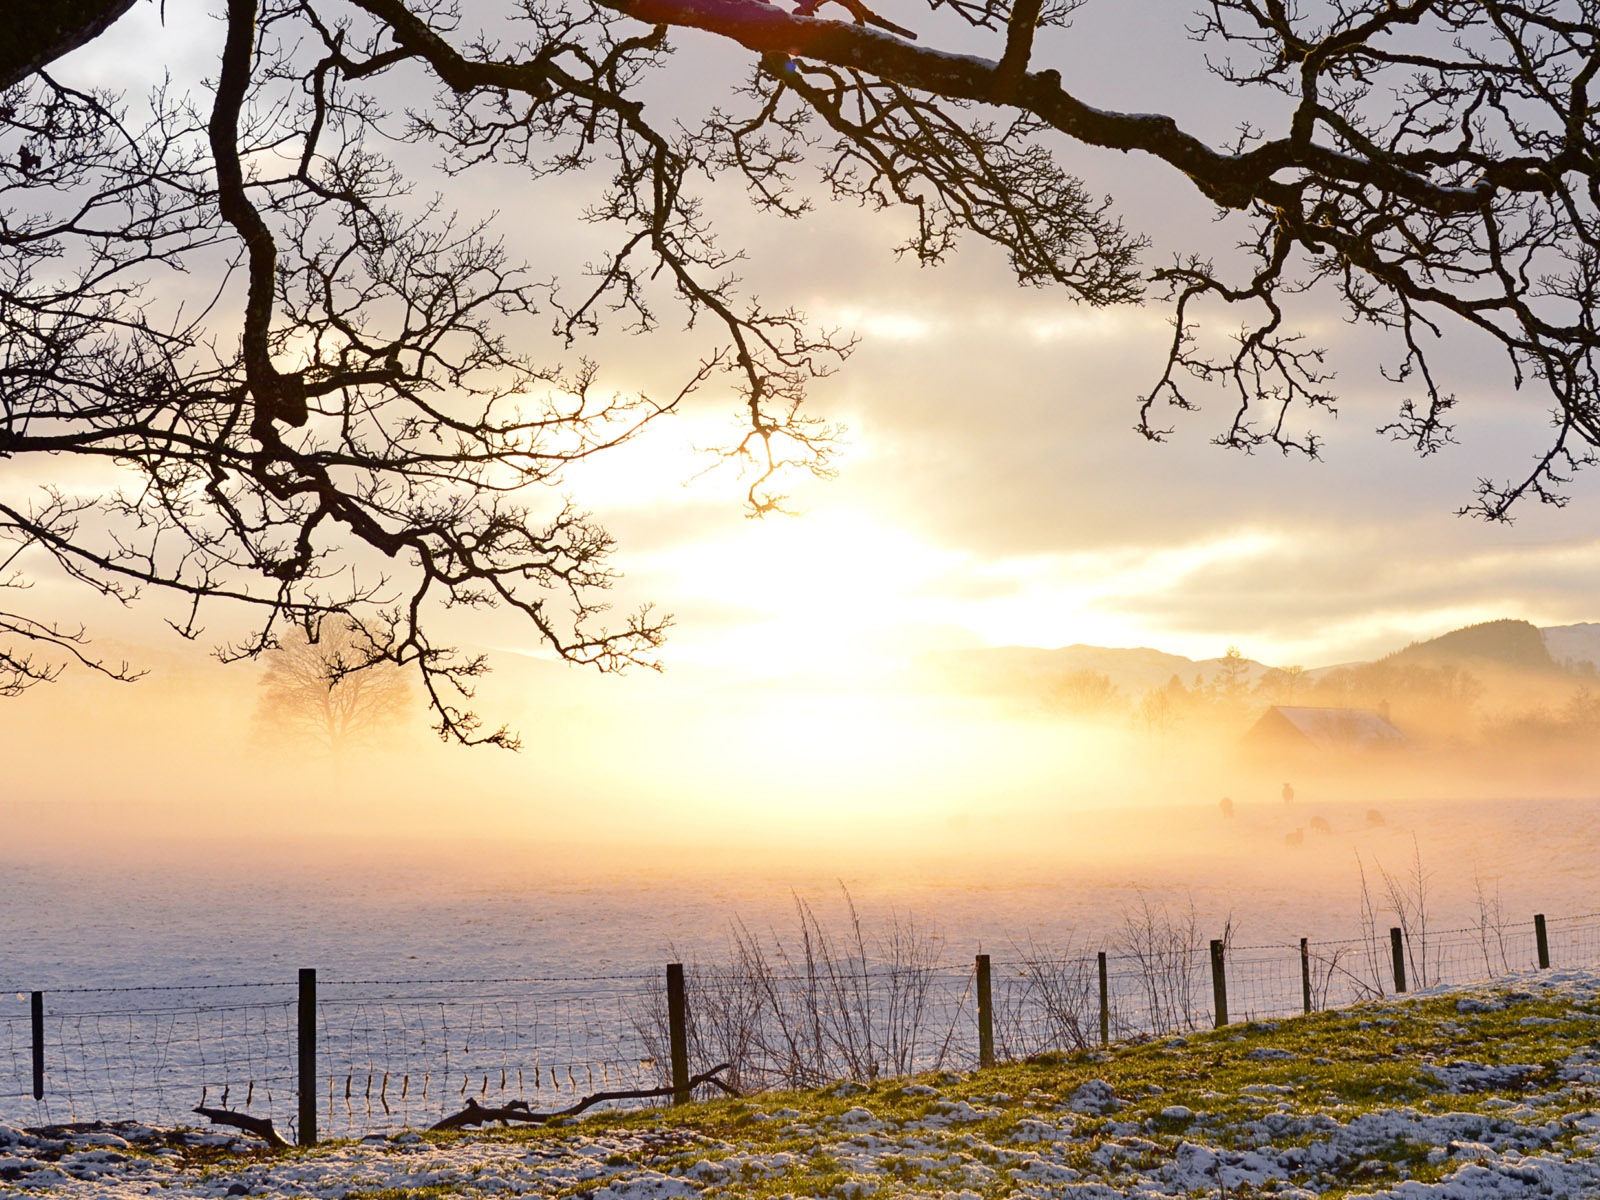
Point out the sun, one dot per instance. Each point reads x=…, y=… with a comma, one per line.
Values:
x=823, y=595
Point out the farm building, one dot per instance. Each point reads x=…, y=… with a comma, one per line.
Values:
x=1290, y=729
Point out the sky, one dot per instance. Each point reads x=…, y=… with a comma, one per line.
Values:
x=991, y=492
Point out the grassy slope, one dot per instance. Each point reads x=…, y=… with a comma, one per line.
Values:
x=1338, y=1103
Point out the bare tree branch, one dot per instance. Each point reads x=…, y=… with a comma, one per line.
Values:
x=261, y=1127
x=517, y=1111
x=40, y=31
x=352, y=420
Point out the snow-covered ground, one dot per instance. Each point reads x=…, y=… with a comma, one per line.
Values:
x=1473, y=1125
x=486, y=917
x=220, y=915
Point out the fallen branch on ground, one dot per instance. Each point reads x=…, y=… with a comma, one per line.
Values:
x=518, y=1110
x=262, y=1127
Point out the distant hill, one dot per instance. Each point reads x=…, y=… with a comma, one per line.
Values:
x=1005, y=668
x=1508, y=645
x=1574, y=645
x=1496, y=648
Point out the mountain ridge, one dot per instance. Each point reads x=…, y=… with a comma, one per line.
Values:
x=1507, y=644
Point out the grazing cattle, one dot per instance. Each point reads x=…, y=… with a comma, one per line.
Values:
x=1320, y=825
x=1294, y=837
x=1375, y=818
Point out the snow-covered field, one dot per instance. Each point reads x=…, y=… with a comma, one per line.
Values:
x=216, y=914
x=594, y=943
x=1478, y=1095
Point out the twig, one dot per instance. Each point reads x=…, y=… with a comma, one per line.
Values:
x=262, y=1127
x=518, y=1110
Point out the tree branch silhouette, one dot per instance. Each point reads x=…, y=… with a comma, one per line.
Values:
x=347, y=422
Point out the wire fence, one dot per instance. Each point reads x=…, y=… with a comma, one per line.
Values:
x=395, y=1054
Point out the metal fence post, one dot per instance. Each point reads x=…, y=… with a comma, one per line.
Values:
x=36, y=1012
x=985, y=1014
x=1542, y=937
x=1397, y=944
x=1105, y=1003
x=308, y=1056
x=678, y=1031
x=1219, y=983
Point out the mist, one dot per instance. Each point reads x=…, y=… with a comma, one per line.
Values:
x=997, y=811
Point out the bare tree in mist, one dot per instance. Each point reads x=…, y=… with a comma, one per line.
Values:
x=1161, y=709
x=1219, y=706
x=283, y=362
x=1084, y=693
x=1428, y=701
x=1581, y=712
x=1281, y=685
x=1546, y=730
x=1228, y=693
x=333, y=686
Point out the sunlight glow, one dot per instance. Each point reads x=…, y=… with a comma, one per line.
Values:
x=822, y=594
x=1060, y=599
x=888, y=325
x=847, y=596
x=1091, y=325
x=830, y=766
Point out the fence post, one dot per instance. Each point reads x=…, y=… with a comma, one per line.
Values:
x=1397, y=944
x=1219, y=983
x=1542, y=937
x=678, y=1029
x=1305, y=974
x=308, y=1056
x=985, y=1014
x=37, y=1013
x=1105, y=1004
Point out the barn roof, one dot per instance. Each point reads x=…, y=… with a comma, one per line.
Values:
x=1327, y=728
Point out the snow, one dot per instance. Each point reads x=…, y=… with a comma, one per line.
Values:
x=1521, y=1146
x=64, y=932
x=1095, y=1096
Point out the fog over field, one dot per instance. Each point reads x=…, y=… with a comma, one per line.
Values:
x=199, y=838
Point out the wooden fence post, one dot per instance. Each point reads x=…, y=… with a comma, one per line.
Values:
x=1542, y=937
x=1219, y=983
x=1397, y=944
x=36, y=1011
x=678, y=1029
x=1105, y=1004
x=308, y=1056
x=985, y=1014
x=1305, y=974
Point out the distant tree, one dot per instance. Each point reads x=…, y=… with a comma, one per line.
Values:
x=1281, y=684
x=1437, y=697
x=1581, y=713
x=1229, y=690
x=1233, y=671
x=1161, y=709
x=333, y=686
x=1084, y=692
x=1156, y=712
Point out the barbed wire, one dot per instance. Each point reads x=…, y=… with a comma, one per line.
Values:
x=407, y=1055
x=168, y=987
x=459, y=981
